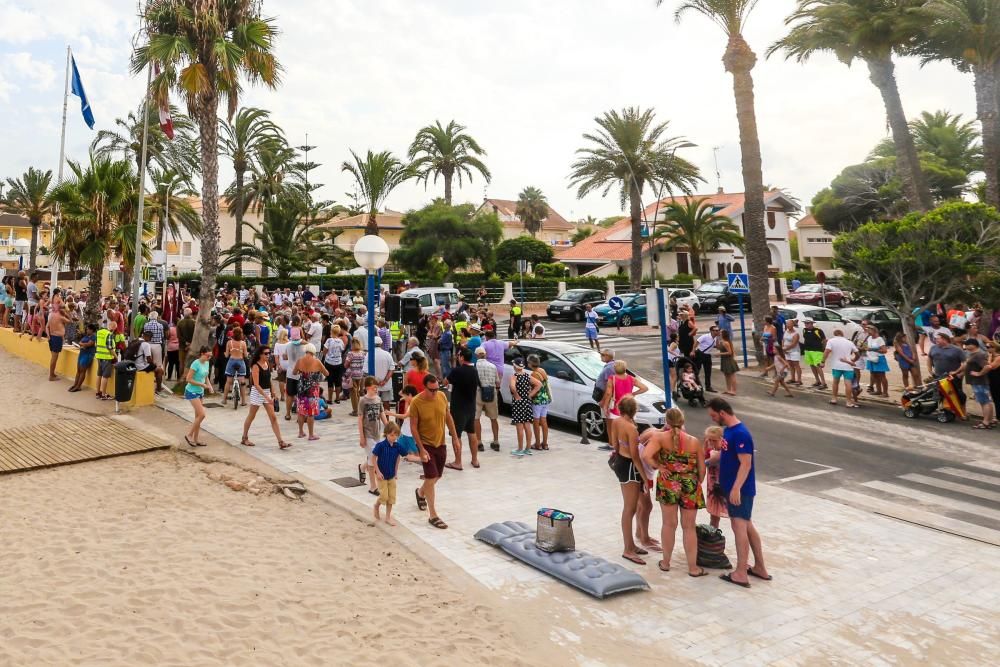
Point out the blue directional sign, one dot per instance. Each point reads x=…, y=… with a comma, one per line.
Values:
x=739, y=283
x=616, y=303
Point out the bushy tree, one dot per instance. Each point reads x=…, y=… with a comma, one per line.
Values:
x=522, y=247
x=449, y=237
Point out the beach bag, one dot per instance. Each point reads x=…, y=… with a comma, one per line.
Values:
x=712, y=548
x=488, y=394
x=554, y=531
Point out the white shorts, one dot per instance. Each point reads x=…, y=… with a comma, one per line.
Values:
x=369, y=447
x=258, y=399
x=793, y=355
x=157, y=354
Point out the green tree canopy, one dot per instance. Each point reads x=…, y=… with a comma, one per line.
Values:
x=29, y=196
x=581, y=233
x=522, y=247
x=920, y=259
x=440, y=239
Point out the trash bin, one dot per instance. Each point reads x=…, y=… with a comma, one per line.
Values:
x=397, y=383
x=124, y=381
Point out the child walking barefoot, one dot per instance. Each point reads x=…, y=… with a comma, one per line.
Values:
x=715, y=497
x=780, y=373
x=387, y=454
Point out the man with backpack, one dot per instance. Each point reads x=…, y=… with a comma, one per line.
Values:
x=140, y=351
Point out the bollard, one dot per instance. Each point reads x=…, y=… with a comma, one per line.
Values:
x=584, y=440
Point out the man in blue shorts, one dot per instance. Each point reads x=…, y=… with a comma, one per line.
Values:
x=736, y=476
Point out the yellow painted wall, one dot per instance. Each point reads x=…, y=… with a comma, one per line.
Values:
x=37, y=352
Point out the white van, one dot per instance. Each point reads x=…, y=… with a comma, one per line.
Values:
x=433, y=298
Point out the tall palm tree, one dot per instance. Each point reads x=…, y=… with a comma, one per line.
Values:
x=629, y=151
x=125, y=141
x=170, y=206
x=206, y=49
x=739, y=60
x=29, y=196
x=271, y=172
x=532, y=208
x=376, y=176
x=694, y=225
x=872, y=31
x=95, y=200
x=242, y=139
x=967, y=32
x=446, y=152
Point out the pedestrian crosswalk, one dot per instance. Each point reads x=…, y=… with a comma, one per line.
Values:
x=961, y=499
x=623, y=344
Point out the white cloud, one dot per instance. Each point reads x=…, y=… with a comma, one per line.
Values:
x=526, y=77
x=39, y=75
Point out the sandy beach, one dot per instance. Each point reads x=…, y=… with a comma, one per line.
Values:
x=146, y=560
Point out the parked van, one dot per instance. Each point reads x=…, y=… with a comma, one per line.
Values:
x=433, y=298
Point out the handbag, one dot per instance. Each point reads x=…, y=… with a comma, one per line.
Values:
x=554, y=531
x=488, y=394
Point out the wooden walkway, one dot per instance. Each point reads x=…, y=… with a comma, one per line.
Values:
x=70, y=441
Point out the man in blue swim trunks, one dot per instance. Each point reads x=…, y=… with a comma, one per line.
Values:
x=736, y=476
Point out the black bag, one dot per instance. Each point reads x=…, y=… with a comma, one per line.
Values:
x=132, y=351
x=712, y=548
x=488, y=394
x=597, y=394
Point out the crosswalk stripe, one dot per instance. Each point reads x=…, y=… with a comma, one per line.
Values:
x=985, y=465
x=987, y=479
x=934, y=499
x=913, y=515
x=952, y=486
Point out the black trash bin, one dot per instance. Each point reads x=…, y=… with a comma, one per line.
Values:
x=397, y=383
x=124, y=381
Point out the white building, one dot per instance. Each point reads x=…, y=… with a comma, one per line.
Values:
x=815, y=246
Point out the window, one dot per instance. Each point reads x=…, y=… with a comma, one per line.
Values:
x=772, y=221
x=737, y=268
x=173, y=248
x=821, y=239
x=682, y=263
x=817, y=315
x=554, y=366
x=639, y=301
x=425, y=300
x=889, y=315
x=441, y=299
x=186, y=249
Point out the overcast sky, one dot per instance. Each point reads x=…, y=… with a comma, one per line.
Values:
x=526, y=77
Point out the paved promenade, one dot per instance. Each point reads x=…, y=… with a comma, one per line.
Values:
x=849, y=585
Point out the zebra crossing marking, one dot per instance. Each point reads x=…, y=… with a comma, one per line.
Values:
x=953, y=486
x=987, y=479
x=934, y=499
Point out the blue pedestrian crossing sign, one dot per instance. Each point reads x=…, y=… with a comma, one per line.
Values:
x=739, y=283
x=616, y=303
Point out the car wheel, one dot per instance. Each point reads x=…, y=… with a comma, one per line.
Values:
x=626, y=320
x=865, y=301
x=593, y=422
x=578, y=316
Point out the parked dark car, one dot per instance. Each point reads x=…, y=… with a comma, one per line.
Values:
x=714, y=294
x=570, y=304
x=883, y=319
x=813, y=295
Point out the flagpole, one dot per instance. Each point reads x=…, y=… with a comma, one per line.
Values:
x=137, y=264
x=53, y=261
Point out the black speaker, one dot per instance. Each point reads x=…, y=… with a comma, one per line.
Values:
x=195, y=287
x=392, y=307
x=410, y=311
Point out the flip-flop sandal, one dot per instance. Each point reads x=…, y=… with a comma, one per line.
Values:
x=202, y=444
x=288, y=418
x=728, y=578
x=452, y=466
x=754, y=574
x=247, y=443
x=188, y=441
x=421, y=501
x=475, y=465
x=701, y=573
x=374, y=492
x=634, y=559
x=642, y=552
x=313, y=437
x=284, y=445
x=662, y=569
x=361, y=473
x=653, y=547
x=437, y=523
x=545, y=447
x=981, y=426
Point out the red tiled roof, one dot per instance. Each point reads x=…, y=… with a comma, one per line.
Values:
x=554, y=221
x=615, y=242
x=15, y=220
x=388, y=220
x=808, y=221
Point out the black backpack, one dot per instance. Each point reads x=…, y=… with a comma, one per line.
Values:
x=132, y=351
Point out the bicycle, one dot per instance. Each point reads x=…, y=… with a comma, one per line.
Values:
x=237, y=394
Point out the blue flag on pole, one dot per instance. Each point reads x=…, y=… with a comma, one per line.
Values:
x=77, y=87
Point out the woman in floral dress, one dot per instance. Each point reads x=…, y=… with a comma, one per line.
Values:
x=680, y=460
x=311, y=373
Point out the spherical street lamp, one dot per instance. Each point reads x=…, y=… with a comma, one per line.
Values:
x=371, y=253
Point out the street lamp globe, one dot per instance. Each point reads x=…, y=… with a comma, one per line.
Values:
x=371, y=252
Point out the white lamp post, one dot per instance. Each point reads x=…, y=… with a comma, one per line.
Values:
x=371, y=252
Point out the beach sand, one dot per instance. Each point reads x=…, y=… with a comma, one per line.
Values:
x=145, y=560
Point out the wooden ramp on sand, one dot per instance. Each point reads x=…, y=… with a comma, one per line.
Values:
x=72, y=440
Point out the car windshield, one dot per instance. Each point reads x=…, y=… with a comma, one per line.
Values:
x=588, y=362
x=714, y=288
x=854, y=313
x=807, y=289
x=571, y=295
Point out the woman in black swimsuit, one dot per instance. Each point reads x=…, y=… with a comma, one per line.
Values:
x=260, y=395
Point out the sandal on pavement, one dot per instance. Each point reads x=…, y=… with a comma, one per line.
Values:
x=663, y=569
x=452, y=466
x=361, y=473
x=729, y=578
x=313, y=437
x=641, y=551
x=475, y=465
x=981, y=426
x=421, y=501
x=437, y=523
x=189, y=442
x=754, y=574
x=247, y=443
x=634, y=559
x=374, y=492
x=701, y=573
x=284, y=445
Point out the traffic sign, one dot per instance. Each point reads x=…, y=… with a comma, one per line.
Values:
x=616, y=303
x=739, y=283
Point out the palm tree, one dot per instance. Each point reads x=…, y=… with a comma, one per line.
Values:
x=29, y=196
x=205, y=48
x=272, y=171
x=739, y=60
x=532, y=208
x=94, y=201
x=125, y=141
x=967, y=32
x=447, y=152
x=376, y=176
x=288, y=240
x=630, y=151
x=872, y=31
x=170, y=206
x=242, y=140
x=693, y=224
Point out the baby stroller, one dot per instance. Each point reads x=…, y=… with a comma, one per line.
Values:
x=695, y=395
x=937, y=397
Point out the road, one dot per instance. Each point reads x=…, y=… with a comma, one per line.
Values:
x=942, y=476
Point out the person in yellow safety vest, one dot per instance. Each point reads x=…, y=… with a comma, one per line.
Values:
x=514, y=327
x=106, y=355
x=396, y=331
x=461, y=323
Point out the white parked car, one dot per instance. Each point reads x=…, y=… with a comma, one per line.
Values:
x=573, y=371
x=824, y=319
x=432, y=299
x=685, y=297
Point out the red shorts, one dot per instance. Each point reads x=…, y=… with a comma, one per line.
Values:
x=434, y=466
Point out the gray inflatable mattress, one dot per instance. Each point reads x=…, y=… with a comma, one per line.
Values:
x=579, y=569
